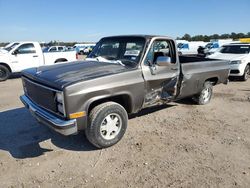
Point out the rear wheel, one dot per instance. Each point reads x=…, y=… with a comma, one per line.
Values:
x=4, y=73
x=107, y=124
x=205, y=95
x=246, y=73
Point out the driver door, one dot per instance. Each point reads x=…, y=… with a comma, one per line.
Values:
x=161, y=79
x=25, y=56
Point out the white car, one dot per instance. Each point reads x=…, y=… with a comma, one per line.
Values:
x=55, y=49
x=83, y=48
x=239, y=56
x=22, y=55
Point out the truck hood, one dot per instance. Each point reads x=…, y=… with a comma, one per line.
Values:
x=61, y=75
x=230, y=57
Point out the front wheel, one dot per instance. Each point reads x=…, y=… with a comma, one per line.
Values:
x=107, y=124
x=246, y=73
x=4, y=73
x=205, y=95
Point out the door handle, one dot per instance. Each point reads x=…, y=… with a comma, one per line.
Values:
x=35, y=55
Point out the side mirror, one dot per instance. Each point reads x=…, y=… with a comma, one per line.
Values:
x=163, y=61
x=15, y=52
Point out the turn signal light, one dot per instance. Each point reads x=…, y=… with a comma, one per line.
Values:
x=77, y=115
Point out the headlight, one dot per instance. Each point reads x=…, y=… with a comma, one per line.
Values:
x=235, y=62
x=59, y=97
x=60, y=103
x=60, y=108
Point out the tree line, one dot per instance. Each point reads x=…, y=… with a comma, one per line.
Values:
x=207, y=38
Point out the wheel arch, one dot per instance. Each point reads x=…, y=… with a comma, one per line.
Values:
x=60, y=60
x=6, y=65
x=124, y=100
x=213, y=80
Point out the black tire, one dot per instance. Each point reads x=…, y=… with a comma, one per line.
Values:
x=246, y=73
x=98, y=119
x=4, y=73
x=60, y=60
x=205, y=95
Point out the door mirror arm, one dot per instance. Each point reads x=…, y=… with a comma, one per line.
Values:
x=150, y=63
x=15, y=52
x=152, y=67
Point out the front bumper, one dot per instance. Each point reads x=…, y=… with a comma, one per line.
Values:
x=64, y=127
x=237, y=69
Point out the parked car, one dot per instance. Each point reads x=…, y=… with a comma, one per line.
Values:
x=88, y=49
x=122, y=75
x=23, y=55
x=83, y=48
x=55, y=49
x=239, y=56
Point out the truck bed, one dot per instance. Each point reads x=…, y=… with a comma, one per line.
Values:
x=196, y=70
x=191, y=59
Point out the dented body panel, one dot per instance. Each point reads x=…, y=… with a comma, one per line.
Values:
x=196, y=73
x=85, y=84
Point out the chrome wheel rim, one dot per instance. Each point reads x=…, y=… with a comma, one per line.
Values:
x=247, y=73
x=206, y=93
x=111, y=126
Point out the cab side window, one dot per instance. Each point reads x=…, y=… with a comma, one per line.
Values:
x=161, y=48
x=28, y=48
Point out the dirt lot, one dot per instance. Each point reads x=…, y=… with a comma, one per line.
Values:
x=177, y=145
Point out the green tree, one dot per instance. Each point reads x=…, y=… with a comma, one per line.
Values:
x=225, y=36
x=186, y=37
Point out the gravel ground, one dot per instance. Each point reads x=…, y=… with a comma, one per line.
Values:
x=175, y=145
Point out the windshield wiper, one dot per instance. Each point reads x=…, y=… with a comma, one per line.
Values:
x=106, y=60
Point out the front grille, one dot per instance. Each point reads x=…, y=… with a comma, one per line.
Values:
x=40, y=95
x=234, y=71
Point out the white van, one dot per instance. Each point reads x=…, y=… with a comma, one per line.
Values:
x=190, y=48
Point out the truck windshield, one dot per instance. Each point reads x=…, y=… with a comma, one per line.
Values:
x=10, y=47
x=122, y=50
x=235, y=49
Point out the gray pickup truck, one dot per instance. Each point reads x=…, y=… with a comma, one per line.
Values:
x=121, y=76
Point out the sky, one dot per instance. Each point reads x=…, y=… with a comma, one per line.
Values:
x=81, y=20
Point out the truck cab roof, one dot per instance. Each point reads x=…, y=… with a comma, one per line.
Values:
x=141, y=35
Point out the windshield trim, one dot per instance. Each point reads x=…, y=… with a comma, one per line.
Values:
x=9, y=48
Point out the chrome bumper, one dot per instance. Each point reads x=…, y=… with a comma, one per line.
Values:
x=64, y=127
